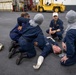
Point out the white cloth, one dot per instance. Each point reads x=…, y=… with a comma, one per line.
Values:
x=1, y=46
x=71, y=18
x=37, y=20
x=39, y=62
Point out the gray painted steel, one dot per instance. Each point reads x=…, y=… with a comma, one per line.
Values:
x=51, y=65
x=69, y=7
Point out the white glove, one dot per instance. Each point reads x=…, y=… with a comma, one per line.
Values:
x=1, y=46
x=39, y=62
x=51, y=38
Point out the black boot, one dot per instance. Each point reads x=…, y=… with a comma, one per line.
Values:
x=13, y=52
x=21, y=56
x=13, y=45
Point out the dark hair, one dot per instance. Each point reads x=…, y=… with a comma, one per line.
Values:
x=24, y=14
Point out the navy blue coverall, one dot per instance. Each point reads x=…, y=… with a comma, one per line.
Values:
x=55, y=26
x=70, y=40
x=26, y=40
x=45, y=45
x=15, y=34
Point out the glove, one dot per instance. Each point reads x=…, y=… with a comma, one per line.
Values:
x=1, y=46
x=39, y=62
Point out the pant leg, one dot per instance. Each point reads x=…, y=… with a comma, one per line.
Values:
x=46, y=51
x=27, y=47
x=47, y=31
x=69, y=62
x=53, y=35
x=59, y=34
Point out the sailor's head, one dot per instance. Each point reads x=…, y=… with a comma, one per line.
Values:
x=55, y=16
x=71, y=16
x=25, y=15
x=37, y=20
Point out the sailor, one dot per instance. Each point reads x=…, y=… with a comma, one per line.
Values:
x=69, y=42
x=56, y=27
